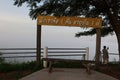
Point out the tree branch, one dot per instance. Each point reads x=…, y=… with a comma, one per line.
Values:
x=104, y=32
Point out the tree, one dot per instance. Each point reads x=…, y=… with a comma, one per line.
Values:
x=109, y=10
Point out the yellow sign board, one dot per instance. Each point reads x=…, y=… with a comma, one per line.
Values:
x=69, y=21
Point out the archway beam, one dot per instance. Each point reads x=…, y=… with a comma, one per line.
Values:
x=68, y=21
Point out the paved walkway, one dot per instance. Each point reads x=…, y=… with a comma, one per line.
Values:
x=67, y=74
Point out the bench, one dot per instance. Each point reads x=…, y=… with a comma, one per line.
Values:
x=85, y=63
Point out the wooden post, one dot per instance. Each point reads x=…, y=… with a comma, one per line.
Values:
x=38, y=52
x=98, y=46
x=45, y=55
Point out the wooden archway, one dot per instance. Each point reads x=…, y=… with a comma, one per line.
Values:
x=68, y=21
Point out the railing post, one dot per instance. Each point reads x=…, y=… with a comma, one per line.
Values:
x=87, y=53
x=45, y=55
x=84, y=56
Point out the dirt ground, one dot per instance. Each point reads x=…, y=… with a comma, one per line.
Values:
x=113, y=70
x=14, y=75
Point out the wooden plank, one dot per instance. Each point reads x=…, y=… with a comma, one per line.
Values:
x=72, y=60
x=69, y=21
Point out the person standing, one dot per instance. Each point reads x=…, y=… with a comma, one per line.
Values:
x=105, y=55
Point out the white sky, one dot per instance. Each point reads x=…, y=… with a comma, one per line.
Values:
x=18, y=30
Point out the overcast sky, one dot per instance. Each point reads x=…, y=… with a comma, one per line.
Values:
x=18, y=30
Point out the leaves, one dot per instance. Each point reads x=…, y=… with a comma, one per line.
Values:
x=104, y=32
x=86, y=8
x=30, y=3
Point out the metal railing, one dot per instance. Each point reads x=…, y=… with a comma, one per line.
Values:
x=31, y=52
x=113, y=54
x=112, y=57
x=51, y=52
x=18, y=52
x=65, y=51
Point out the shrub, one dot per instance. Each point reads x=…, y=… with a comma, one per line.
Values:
x=7, y=67
x=1, y=59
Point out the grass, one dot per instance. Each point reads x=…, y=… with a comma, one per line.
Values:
x=14, y=71
x=7, y=67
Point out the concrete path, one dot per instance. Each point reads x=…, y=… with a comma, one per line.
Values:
x=67, y=74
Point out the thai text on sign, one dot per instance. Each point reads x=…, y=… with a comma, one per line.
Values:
x=69, y=21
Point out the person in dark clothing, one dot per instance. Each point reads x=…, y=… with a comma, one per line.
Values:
x=105, y=55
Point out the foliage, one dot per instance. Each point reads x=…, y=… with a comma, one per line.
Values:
x=61, y=7
x=7, y=67
x=86, y=8
x=1, y=59
x=105, y=32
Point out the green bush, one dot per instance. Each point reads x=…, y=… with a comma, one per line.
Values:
x=7, y=67
x=1, y=59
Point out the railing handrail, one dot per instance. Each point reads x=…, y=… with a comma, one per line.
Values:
x=113, y=54
x=66, y=48
x=19, y=48
x=30, y=51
